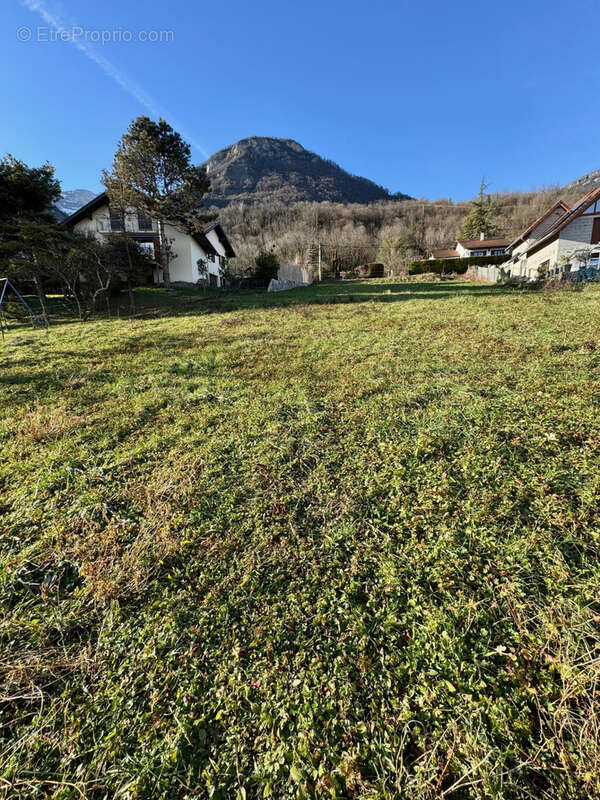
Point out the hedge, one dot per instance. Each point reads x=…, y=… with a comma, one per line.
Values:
x=443, y=266
x=372, y=270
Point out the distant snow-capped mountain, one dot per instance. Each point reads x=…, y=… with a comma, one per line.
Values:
x=73, y=199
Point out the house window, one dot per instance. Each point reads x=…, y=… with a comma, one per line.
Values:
x=497, y=252
x=211, y=257
x=478, y=253
x=594, y=260
x=144, y=221
x=595, y=231
x=116, y=221
x=148, y=248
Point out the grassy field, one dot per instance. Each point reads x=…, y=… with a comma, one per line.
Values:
x=339, y=542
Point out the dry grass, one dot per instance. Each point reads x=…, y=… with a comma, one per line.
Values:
x=342, y=542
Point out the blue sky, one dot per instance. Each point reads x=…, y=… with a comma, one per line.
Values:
x=422, y=97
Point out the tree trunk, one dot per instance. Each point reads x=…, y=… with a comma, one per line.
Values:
x=79, y=309
x=41, y=297
x=164, y=256
x=129, y=287
x=131, y=297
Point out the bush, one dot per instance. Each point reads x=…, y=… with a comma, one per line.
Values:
x=458, y=265
x=267, y=265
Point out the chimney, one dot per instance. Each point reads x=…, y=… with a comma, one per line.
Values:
x=481, y=236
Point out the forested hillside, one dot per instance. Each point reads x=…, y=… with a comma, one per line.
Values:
x=392, y=231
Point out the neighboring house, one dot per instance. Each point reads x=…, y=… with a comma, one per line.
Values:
x=493, y=246
x=209, y=245
x=443, y=253
x=465, y=248
x=561, y=240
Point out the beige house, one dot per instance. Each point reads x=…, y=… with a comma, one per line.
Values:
x=466, y=248
x=561, y=240
x=196, y=258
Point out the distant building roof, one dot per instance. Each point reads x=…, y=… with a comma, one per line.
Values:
x=448, y=253
x=478, y=244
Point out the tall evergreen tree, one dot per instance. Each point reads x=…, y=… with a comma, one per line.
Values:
x=119, y=202
x=481, y=217
x=26, y=193
x=27, y=229
x=152, y=171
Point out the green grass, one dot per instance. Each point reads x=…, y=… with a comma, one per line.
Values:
x=338, y=542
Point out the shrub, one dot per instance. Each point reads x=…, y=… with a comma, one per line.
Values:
x=267, y=265
x=458, y=265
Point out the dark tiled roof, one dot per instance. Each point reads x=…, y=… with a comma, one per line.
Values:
x=477, y=244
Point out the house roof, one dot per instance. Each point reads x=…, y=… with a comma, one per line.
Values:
x=448, y=253
x=204, y=243
x=476, y=244
x=522, y=236
x=200, y=236
x=576, y=211
x=217, y=228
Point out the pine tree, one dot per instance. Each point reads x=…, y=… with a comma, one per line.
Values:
x=480, y=218
x=26, y=193
x=153, y=163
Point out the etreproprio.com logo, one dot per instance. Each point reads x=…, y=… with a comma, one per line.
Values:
x=46, y=34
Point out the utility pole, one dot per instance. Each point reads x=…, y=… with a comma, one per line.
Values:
x=320, y=277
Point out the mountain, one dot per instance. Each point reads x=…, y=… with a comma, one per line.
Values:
x=73, y=199
x=262, y=168
x=586, y=183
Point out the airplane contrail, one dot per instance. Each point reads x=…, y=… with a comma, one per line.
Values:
x=120, y=78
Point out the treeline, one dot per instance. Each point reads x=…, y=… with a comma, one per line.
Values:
x=394, y=232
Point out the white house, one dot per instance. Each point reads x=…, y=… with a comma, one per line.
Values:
x=563, y=239
x=209, y=245
x=466, y=248
x=491, y=246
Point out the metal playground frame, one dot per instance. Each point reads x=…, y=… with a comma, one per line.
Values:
x=5, y=286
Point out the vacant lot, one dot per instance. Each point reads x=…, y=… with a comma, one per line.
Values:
x=341, y=542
